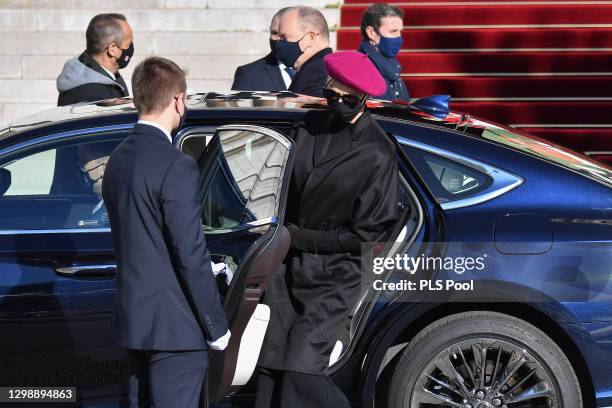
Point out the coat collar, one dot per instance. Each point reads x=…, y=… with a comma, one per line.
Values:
x=390, y=68
x=344, y=135
x=91, y=63
x=314, y=59
x=88, y=60
x=148, y=130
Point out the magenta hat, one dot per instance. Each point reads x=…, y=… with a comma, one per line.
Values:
x=355, y=69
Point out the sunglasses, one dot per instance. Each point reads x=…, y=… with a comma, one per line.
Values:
x=348, y=99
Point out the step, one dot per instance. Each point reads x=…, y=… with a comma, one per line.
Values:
x=579, y=139
x=505, y=62
x=511, y=87
x=524, y=113
x=399, y=2
x=155, y=20
x=492, y=39
x=594, y=142
x=492, y=15
x=605, y=158
x=156, y=4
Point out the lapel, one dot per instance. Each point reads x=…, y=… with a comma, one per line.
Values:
x=274, y=72
x=338, y=144
x=342, y=140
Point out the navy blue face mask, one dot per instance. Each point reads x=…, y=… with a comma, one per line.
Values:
x=389, y=47
x=288, y=52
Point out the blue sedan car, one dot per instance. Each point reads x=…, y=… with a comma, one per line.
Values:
x=532, y=328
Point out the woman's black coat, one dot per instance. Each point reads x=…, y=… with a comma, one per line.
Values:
x=340, y=196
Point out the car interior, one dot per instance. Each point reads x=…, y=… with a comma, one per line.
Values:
x=48, y=189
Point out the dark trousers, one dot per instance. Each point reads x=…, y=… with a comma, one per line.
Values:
x=282, y=389
x=166, y=379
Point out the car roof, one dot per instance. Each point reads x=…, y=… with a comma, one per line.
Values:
x=214, y=100
x=272, y=104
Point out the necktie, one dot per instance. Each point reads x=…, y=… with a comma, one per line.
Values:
x=291, y=71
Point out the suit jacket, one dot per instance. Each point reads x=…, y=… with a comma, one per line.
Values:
x=261, y=75
x=311, y=77
x=84, y=80
x=167, y=298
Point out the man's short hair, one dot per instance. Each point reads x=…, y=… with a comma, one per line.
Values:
x=93, y=151
x=155, y=82
x=102, y=30
x=375, y=13
x=312, y=19
x=280, y=13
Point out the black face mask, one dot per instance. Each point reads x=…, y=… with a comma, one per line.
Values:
x=288, y=52
x=126, y=56
x=346, y=110
x=273, y=45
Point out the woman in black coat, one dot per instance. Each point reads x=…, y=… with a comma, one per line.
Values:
x=343, y=193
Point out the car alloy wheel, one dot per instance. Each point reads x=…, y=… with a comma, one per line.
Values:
x=484, y=373
x=479, y=359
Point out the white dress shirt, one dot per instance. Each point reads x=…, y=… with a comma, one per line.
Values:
x=285, y=74
x=157, y=125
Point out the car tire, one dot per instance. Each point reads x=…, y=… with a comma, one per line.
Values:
x=465, y=340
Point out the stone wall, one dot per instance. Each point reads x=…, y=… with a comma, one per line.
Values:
x=209, y=38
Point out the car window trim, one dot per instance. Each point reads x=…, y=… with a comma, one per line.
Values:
x=503, y=181
x=57, y=136
x=54, y=231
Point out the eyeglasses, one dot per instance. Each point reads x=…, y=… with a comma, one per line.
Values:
x=95, y=173
x=334, y=97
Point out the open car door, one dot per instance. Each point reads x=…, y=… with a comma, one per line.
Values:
x=244, y=178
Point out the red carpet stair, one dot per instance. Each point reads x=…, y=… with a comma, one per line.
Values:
x=542, y=66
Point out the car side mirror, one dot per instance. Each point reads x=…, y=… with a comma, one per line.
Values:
x=5, y=181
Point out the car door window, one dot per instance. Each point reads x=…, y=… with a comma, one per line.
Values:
x=56, y=186
x=241, y=178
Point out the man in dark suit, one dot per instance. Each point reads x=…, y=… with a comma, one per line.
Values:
x=381, y=40
x=303, y=42
x=267, y=73
x=168, y=311
x=94, y=75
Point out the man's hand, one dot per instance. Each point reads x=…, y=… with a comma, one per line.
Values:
x=221, y=343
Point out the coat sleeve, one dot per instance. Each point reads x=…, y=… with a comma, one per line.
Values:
x=374, y=212
x=186, y=242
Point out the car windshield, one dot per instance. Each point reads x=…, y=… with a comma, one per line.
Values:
x=549, y=151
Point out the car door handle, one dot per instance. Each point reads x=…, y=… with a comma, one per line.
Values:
x=87, y=270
